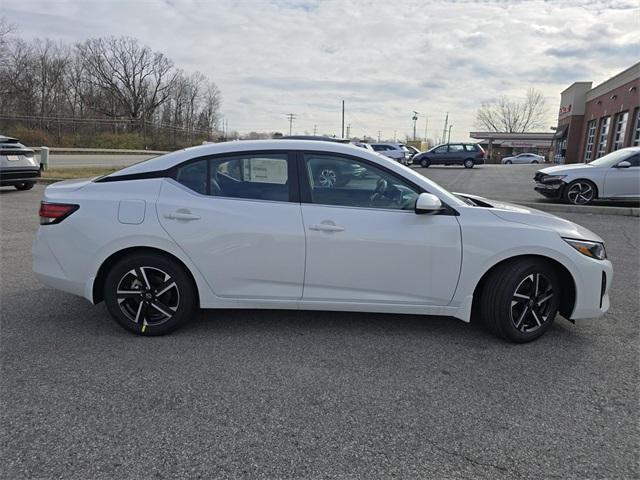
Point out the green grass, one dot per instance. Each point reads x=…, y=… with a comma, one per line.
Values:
x=88, y=172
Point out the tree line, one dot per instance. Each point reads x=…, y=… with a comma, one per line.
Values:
x=108, y=92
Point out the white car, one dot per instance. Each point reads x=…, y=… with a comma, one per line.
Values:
x=397, y=151
x=523, y=158
x=248, y=225
x=615, y=176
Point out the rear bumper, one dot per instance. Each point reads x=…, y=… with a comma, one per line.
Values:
x=12, y=176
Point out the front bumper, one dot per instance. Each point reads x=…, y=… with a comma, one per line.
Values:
x=550, y=190
x=592, y=291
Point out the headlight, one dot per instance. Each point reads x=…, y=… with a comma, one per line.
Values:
x=552, y=178
x=590, y=249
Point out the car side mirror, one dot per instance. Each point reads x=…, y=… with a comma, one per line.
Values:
x=427, y=203
x=623, y=164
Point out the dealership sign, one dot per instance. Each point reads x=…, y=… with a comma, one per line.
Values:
x=564, y=109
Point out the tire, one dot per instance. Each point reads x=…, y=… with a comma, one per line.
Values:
x=424, y=163
x=508, y=162
x=24, y=185
x=146, y=312
x=580, y=192
x=516, y=308
x=535, y=162
x=468, y=163
x=327, y=176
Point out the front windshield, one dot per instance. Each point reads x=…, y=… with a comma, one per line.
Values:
x=610, y=159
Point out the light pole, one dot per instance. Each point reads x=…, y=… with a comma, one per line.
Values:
x=415, y=119
x=449, y=138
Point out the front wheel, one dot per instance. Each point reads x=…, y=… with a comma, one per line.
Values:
x=579, y=192
x=24, y=185
x=508, y=162
x=468, y=163
x=535, y=162
x=149, y=294
x=424, y=163
x=521, y=300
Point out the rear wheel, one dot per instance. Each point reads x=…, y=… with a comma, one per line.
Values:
x=535, y=161
x=149, y=294
x=522, y=300
x=468, y=163
x=579, y=192
x=24, y=185
x=508, y=162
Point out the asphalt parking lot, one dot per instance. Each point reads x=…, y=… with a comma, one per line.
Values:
x=284, y=394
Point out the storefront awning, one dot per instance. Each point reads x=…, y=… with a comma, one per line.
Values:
x=561, y=131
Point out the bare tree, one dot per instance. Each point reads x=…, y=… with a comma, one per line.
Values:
x=513, y=116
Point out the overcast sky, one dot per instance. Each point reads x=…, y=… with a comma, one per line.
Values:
x=384, y=58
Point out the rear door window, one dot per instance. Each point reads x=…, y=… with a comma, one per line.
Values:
x=455, y=148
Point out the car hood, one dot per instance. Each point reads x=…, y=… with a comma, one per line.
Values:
x=564, y=169
x=535, y=218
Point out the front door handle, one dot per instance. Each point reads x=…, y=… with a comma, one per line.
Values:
x=326, y=227
x=181, y=216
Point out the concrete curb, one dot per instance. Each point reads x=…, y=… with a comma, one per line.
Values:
x=48, y=181
x=590, y=209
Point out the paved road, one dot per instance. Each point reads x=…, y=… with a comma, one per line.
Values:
x=281, y=394
x=67, y=160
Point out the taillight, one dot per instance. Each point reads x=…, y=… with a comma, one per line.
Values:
x=51, y=213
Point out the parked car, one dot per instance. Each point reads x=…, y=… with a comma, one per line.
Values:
x=364, y=145
x=467, y=154
x=18, y=165
x=615, y=176
x=398, y=151
x=523, y=158
x=245, y=225
x=413, y=151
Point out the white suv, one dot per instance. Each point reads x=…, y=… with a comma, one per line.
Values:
x=397, y=151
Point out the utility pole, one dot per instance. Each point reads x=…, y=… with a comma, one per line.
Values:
x=342, y=119
x=395, y=135
x=348, y=130
x=444, y=130
x=379, y=134
x=426, y=126
x=315, y=129
x=291, y=117
x=415, y=119
x=449, y=138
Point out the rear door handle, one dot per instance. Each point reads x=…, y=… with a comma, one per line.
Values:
x=324, y=227
x=181, y=216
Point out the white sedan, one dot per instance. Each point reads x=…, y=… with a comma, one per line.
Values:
x=250, y=225
x=523, y=158
x=615, y=176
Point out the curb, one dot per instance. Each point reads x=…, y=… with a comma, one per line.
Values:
x=48, y=181
x=589, y=209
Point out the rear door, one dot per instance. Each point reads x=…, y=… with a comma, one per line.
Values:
x=623, y=182
x=456, y=154
x=365, y=244
x=238, y=218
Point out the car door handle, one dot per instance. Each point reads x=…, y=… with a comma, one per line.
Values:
x=325, y=227
x=181, y=216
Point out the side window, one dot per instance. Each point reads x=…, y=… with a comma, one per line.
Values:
x=634, y=160
x=379, y=148
x=455, y=148
x=442, y=149
x=471, y=148
x=335, y=180
x=259, y=177
x=194, y=176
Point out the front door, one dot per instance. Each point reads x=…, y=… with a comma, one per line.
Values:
x=366, y=244
x=623, y=182
x=237, y=220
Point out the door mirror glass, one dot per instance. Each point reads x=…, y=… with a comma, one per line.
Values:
x=624, y=164
x=428, y=203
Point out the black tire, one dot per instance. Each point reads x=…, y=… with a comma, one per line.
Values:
x=468, y=163
x=535, y=162
x=508, y=162
x=24, y=185
x=513, y=282
x=155, y=314
x=424, y=163
x=580, y=192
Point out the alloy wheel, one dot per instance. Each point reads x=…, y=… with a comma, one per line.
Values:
x=327, y=177
x=531, y=303
x=580, y=193
x=148, y=296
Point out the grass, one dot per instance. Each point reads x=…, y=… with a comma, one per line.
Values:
x=88, y=172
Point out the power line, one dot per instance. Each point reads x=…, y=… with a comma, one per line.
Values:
x=291, y=117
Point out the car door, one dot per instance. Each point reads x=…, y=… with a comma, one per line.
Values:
x=238, y=218
x=455, y=154
x=623, y=181
x=439, y=155
x=365, y=244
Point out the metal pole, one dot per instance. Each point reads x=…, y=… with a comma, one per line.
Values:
x=379, y=133
x=44, y=158
x=444, y=130
x=342, y=119
x=449, y=138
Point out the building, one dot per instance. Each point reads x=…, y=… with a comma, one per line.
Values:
x=595, y=121
x=500, y=144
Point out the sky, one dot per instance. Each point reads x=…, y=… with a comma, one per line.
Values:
x=384, y=58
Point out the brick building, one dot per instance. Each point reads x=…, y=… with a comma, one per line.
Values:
x=595, y=121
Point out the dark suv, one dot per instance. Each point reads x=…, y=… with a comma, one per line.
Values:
x=467, y=154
